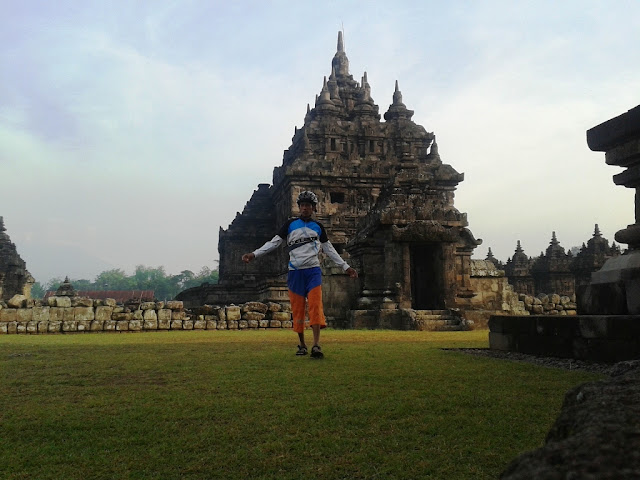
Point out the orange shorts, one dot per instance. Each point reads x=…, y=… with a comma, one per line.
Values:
x=298, y=308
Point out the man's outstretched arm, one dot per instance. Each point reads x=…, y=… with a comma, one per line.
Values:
x=269, y=246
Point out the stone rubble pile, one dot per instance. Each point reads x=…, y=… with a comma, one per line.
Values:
x=553, y=304
x=79, y=314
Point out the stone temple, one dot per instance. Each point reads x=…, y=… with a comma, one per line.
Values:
x=386, y=198
x=14, y=277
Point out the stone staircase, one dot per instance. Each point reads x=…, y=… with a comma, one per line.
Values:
x=438, y=321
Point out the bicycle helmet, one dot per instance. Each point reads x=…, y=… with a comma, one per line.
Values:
x=308, y=196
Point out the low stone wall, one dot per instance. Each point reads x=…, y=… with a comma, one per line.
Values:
x=603, y=338
x=552, y=304
x=76, y=314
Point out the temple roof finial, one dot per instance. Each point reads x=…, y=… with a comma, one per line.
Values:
x=596, y=232
x=340, y=42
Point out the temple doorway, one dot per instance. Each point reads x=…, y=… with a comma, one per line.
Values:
x=427, y=277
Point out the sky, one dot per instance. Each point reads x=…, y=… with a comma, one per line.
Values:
x=132, y=131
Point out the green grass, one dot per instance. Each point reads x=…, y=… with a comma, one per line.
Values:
x=225, y=404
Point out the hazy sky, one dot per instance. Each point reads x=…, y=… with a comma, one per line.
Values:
x=131, y=131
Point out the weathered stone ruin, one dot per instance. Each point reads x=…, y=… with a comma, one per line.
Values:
x=387, y=200
x=556, y=271
x=596, y=435
x=607, y=327
x=615, y=288
x=73, y=314
x=14, y=277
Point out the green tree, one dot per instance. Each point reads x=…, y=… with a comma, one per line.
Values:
x=115, y=279
x=37, y=291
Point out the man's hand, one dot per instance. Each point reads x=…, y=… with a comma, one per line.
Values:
x=352, y=272
x=248, y=257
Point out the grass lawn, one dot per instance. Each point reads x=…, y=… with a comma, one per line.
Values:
x=240, y=404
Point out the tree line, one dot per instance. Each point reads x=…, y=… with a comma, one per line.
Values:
x=165, y=286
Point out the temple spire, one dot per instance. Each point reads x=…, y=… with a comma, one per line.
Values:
x=340, y=61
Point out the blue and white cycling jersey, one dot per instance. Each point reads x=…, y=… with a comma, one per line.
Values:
x=305, y=239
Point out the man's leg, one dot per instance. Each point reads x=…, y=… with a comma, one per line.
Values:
x=316, y=319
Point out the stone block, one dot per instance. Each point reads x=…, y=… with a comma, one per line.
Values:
x=32, y=327
x=253, y=323
x=159, y=305
x=122, y=325
x=84, y=313
x=176, y=324
x=24, y=315
x=17, y=301
x=187, y=324
x=97, y=325
x=211, y=323
x=103, y=313
x=3, y=327
x=174, y=305
x=178, y=315
x=69, y=326
x=110, y=325
x=138, y=315
x=221, y=325
x=200, y=324
x=233, y=313
x=263, y=323
x=281, y=316
x=12, y=327
x=84, y=325
x=109, y=302
x=243, y=324
x=64, y=302
x=67, y=314
x=563, y=327
x=254, y=307
x=150, y=315
x=164, y=323
x=148, y=306
x=55, y=326
x=364, y=319
x=81, y=302
x=232, y=324
x=275, y=324
x=8, y=315
x=623, y=327
x=253, y=316
x=51, y=301
x=274, y=307
x=222, y=315
x=287, y=324
x=135, y=325
x=43, y=327
x=150, y=324
x=56, y=314
x=21, y=327
x=164, y=314
x=41, y=314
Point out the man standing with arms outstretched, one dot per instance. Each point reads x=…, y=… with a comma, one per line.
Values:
x=305, y=238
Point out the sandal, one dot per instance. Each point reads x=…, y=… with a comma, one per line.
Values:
x=316, y=352
x=301, y=350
